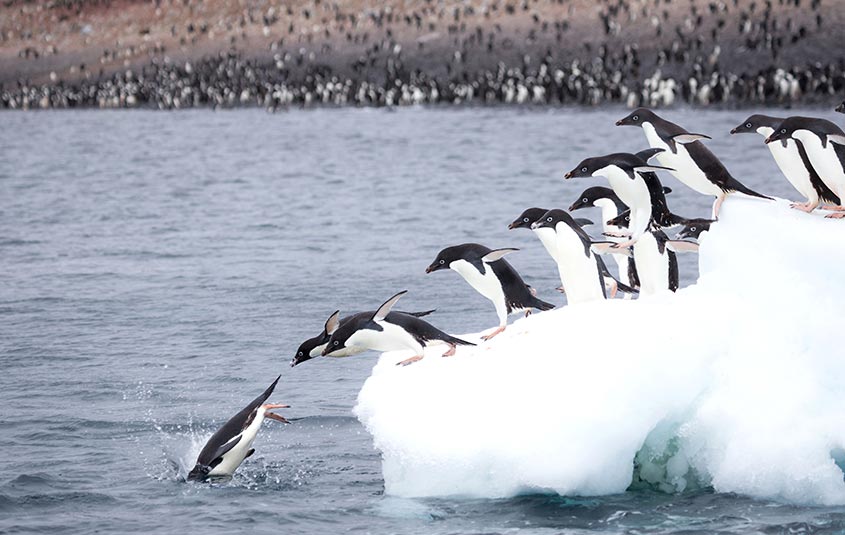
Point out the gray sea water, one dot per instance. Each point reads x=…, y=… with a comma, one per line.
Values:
x=158, y=270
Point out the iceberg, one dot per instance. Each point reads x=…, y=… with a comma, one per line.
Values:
x=736, y=382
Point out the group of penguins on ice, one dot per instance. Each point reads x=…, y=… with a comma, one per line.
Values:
x=809, y=151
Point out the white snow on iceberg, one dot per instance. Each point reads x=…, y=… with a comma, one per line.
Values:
x=736, y=382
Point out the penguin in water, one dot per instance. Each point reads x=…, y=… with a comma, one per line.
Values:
x=492, y=276
x=623, y=172
x=825, y=146
x=692, y=163
x=791, y=157
x=313, y=347
x=378, y=331
x=580, y=270
x=231, y=444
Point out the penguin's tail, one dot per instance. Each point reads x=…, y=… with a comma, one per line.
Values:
x=423, y=313
x=539, y=304
x=449, y=339
x=735, y=185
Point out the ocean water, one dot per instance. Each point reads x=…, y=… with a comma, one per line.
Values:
x=158, y=270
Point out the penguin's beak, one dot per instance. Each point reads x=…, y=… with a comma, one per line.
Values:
x=273, y=415
x=733, y=131
x=573, y=207
x=430, y=268
x=568, y=175
x=620, y=122
x=770, y=139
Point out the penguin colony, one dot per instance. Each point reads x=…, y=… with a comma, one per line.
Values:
x=635, y=221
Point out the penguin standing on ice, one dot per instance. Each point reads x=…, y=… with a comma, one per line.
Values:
x=623, y=172
x=378, y=331
x=825, y=146
x=313, y=347
x=579, y=267
x=231, y=444
x=657, y=264
x=791, y=157
x=492, y=276
x=692, y=163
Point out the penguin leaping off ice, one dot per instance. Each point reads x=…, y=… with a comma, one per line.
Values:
x=692, y=163
x=231, y=444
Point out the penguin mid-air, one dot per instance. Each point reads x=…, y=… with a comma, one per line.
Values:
x=379, y=331
x=825, y=146
x=313, y=347
x=493, y=277
x=792, y=159
x=580, y=271
x=623, y=172
x=692, y=162
x=231, y=444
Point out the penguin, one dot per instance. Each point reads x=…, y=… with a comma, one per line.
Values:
x=825, y=146
x=657, y=266
x=580, y=272
x=231, y=444
x=791, y=157
x=611, y=206
x=692, y=163
x=313, y=347
x=694, y=228
x=622, y=171
x=378, y=332
x=492, y=276
x=661, y=217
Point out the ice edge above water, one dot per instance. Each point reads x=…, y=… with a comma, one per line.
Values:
x=736, y=382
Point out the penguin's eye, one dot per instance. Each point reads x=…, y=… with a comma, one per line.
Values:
x=692, y=229
x=783, y=130
x=584, y=200
x=583, y=169
x=627, y=218
x=549, y=219
x=525, y=219
x=747, y=125
x=299, y=354
x=336, y=342
x=635, y=118
x=442, y=261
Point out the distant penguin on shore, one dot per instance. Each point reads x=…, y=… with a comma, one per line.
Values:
x=378, y=331
x=492, y=276
x=791, y=157
x=825, y=146
x=313, y=347
x=623, y=172
x=841, y=107
x=231, y=444
x=692, y=163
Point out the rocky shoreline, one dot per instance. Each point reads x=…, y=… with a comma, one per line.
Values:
x=543, y=52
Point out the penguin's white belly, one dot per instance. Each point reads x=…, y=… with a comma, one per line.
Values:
x=792, y=166
x=233, y=458
x=487, y=285
x=634, y=193
x=578, y=272
x=825, y=162
x=548, y=239
x=685, y=168
x=652, y=267
x=390, y=338
x=347, y=351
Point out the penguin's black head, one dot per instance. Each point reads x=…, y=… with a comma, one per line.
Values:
x=784, y=130
x=622, y=220
x=307, y=349
x=693, y=228
x=587, y=167
x=465, y=251
x=637, y=118
x=750, y=125
x=527, y=217
x=337, y=341
x=551, y=218
x=841, y=107
x=589, y=196
x=199, y=473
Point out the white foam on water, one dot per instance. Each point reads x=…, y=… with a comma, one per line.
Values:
x=736, y=382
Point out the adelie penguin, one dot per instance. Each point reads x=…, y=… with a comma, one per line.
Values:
x=313, y=347
x=825, y=146
x=841, y=107
x=657, y=264
x=231, y=444
x=694, y=228
x=791, y=157
x=492, y=276
x=692, y=163
x=379, y=331
x=623, y=171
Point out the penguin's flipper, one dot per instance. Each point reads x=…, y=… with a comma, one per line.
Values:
x=651, y=168
x=332, y=323
x=608, y=247
x=583, y=222
x=423, y=313
x=497, y=254
x=622, y=287
x=836, y=138
x=667, y=190
x=384, y=309
x=249, y=453
x=682, y=246
x=224, y=449
x=648, y=154
x=688, y=137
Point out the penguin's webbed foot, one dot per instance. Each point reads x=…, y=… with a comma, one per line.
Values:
x=804, y=206
x=451, y=351
x=273, y=415
x=527, y=313
x=487, y=337
x=833, y=208
x=411, y=360
x=835, y=215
